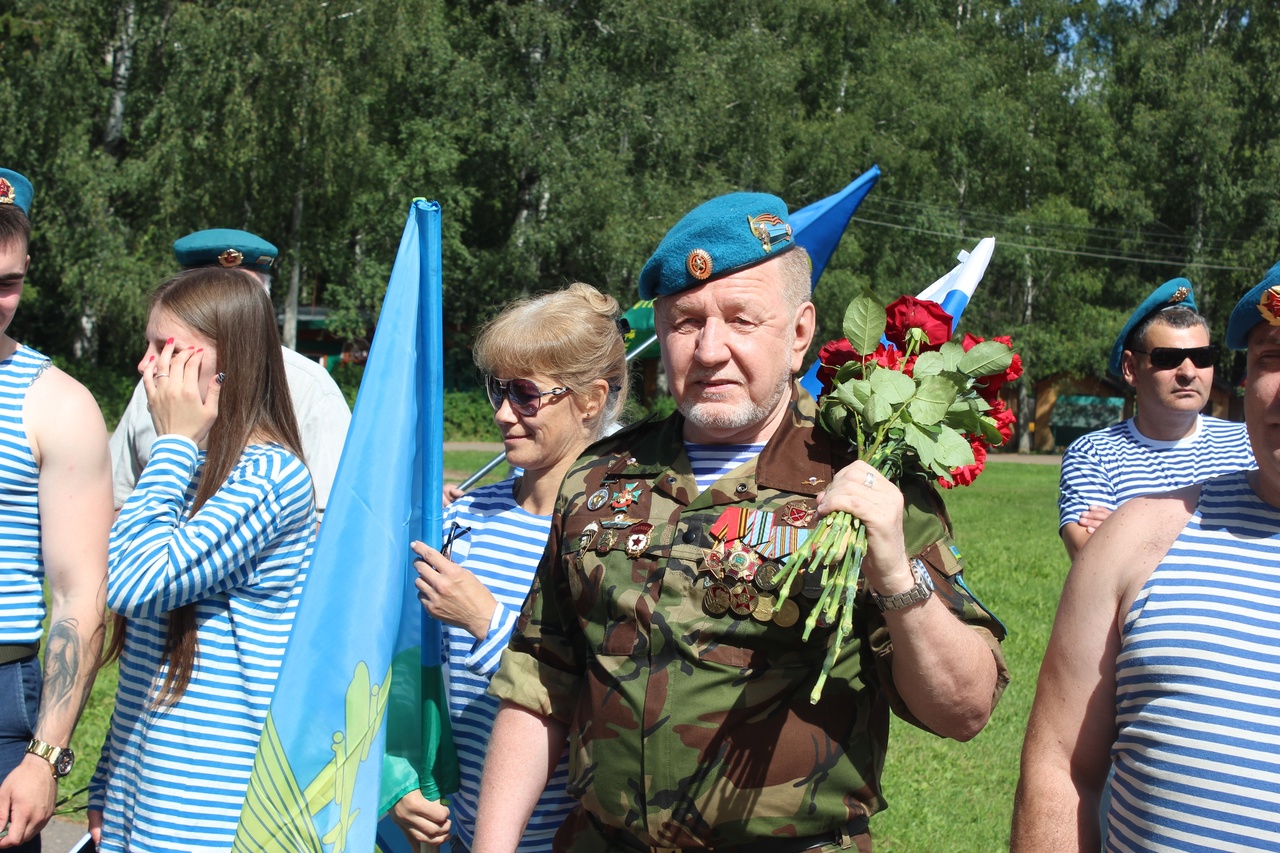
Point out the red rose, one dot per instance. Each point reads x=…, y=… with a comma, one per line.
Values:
x=885, y=356
x=966, y=474
x=1004, y=419
x=831, y=356
x=989, y=386
x=907, y=312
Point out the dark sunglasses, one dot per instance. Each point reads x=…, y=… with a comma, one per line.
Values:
x=523, y=394
x=1167, y=358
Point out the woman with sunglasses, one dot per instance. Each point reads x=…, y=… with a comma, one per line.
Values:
x=205, y=570
x=556, y=375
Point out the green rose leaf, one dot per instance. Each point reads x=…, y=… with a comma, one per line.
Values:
x=895, y=388
x=990, y=431
x=877, y=411
x=952, y=352
x=864, y=323
x=932, y=399
x=930, y=364
x=954, y=450
x=987, y=358
x=833, y=418
x=924, y=443
x=963, y=417
x=853, y=394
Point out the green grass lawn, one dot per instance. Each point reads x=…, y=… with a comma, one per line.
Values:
x=943, y=796
x=947, y=796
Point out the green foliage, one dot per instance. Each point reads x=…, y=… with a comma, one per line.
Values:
x=469, y=417
x=111, y=389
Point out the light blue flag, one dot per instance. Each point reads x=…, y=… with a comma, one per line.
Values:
x=361, y=646
x=819, y=227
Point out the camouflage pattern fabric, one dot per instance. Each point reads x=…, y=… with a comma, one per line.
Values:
x=691, y=730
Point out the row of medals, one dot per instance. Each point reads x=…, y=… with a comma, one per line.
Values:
x=739, y=581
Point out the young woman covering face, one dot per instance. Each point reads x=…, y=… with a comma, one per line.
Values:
x=555, y=372
x=207, y=562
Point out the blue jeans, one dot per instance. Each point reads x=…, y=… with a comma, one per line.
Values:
x=20, y=684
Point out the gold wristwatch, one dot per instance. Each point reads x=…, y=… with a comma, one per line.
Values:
x=61, y=759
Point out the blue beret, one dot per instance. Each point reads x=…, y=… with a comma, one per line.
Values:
x=15, y=189
x=715, y=239
x=1174, y=292
x=1260, y=303
x=225, y=247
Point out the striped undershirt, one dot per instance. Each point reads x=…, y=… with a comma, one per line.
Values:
x=22, y=606
x=175, y=778
x=712, y=461
x=1197, y=755
x=502, y=550
x=1110, y=466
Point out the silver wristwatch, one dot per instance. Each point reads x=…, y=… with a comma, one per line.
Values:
x=920, y=592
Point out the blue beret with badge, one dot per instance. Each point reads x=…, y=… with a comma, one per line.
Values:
x=1260, y=305
x=15, y=189
x=1172, y=293
x=225, y=247
x=717, y=238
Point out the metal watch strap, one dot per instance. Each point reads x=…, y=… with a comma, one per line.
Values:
x=901, y=601
x=48, y=752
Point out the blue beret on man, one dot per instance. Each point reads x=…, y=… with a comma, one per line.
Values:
x=1171, y=294
x=15, y=189
x=225, y=247
x=717, y=238
x=1261, y=304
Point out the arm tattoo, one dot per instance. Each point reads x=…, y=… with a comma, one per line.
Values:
x=62, y=662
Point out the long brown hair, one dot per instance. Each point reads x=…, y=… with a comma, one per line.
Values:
x=230, y=308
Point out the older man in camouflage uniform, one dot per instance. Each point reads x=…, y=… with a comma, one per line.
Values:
x=651, y=642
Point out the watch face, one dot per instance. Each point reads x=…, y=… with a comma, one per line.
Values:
x=65, y=761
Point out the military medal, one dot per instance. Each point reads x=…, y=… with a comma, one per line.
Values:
x=713, y=560
x=620, y=521
x=638, y=539
x=588, y=536
x=767, y=575
x=812, y=584
x=764, y=608
x=742, y=599
x=630, y=494
x=740, y=563
x=606, y=542
x=786, y=615
x=796, y=514
x=597, y=499
x=716, y=599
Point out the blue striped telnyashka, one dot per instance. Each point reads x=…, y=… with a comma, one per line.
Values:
x=174, y=778
x=21, y=567
x=1197, y=756
x=712, y=461
x=502, y=550
x=1110, y=466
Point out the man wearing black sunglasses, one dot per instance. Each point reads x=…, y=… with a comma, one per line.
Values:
x=1163, y=352
x=651, y=642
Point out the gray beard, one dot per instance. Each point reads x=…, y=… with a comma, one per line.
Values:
x=706, y=415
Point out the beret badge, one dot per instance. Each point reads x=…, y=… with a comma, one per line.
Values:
x=769, y=230
x=231, y=258
x=1178, y=295
x=1269, y=305
x=699, y=264
x=7, y=193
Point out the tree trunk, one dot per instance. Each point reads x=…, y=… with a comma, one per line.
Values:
x=289, y=334
x=121, y=63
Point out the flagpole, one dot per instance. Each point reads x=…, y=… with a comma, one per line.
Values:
x=497, y=460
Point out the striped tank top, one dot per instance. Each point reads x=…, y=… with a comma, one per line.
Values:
x=21, y=566
x=1197, y=754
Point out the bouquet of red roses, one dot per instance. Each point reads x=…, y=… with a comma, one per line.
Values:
x=921, y=404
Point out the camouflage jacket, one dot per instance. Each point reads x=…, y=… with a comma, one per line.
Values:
x=688, y=729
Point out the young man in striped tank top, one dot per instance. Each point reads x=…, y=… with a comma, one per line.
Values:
x=1163, y=353
x=55, y=511
x=1163, y=665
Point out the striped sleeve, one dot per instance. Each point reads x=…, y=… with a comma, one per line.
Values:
x=158, y=562
x=487, y=653
x=1084, y=482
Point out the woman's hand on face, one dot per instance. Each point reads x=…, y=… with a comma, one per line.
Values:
x=172, y=383
x=452, y=594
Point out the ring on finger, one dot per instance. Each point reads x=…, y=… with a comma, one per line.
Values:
x=870, y=479
x=161, y=375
